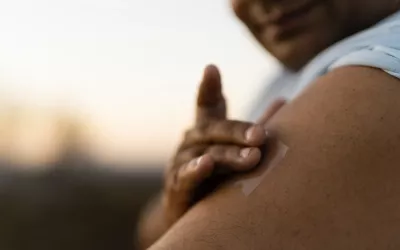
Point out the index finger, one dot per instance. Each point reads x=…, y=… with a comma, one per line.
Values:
x=210, y=100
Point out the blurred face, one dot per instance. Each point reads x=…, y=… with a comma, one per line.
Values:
x=294, y=31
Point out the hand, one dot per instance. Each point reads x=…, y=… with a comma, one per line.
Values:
x=210, y=152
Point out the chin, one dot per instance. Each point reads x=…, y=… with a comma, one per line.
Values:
x=297, y=52
x=292, y=61
x=291, y=57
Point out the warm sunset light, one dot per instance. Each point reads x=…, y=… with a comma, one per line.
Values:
x=126, y=69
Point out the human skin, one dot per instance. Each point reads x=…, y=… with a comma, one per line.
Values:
x=295, y=31
x=337, y=187
x=213, y=151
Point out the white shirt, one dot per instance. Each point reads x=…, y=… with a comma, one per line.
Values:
x=378, y=47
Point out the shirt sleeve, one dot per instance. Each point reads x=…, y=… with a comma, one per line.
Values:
x=381, y=57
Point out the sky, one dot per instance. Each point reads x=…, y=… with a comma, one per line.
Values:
x=130, y=67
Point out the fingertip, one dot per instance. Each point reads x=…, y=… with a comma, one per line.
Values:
x=211, y=74
x=255, y=156
x=251, y=156
x=205, y=163
x=211, y=69
x=244, y=153
x=255, y=135
x=210, y=91
x=202, y=164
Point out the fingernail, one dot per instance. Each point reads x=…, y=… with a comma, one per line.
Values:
x=255, y=135
x=244, y=153
x=193, y=164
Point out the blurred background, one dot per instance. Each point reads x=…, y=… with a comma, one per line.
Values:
x=94, y=97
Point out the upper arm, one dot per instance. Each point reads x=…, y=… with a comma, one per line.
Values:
x=338, y=186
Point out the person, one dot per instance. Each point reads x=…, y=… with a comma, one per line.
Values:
x=337, y=186
x=210, y=153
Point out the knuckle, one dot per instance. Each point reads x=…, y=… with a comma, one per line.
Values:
x=224, y=153
x=207, y=131
x=207, y=126
x=194, y=135
x=237, y=129
x=179, y=179
x=216, y=150
x=203, y=125
x=241, y=127
x=233, y=152
x=187, y=134
x=189, y=154
x=184, y=179
x=191, y=137
x=170, y=165
x=220, y=130
x=232, y=155
x=171, y=181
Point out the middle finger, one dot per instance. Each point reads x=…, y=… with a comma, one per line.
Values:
x=227, y=132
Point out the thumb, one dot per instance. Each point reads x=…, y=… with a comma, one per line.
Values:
x=210, y=100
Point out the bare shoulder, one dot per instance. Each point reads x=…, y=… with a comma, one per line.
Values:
x=336, y=188
x=347, y=96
